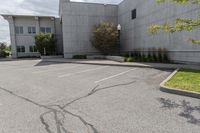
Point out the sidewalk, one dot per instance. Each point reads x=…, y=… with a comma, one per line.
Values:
x=125, y=64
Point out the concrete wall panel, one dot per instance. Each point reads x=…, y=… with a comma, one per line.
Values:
x=135, y=34
x=79, y=20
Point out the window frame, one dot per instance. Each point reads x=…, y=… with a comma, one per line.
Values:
x=31, y=30
x=21, y=49
x=48, y=29
x=19, y=30
x=45, y=29
x=32, y=49
x=134, y=14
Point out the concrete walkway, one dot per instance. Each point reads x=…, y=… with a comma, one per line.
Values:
x=125, y=64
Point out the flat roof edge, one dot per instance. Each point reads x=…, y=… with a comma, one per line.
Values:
x=93, y=3
x=17, y=15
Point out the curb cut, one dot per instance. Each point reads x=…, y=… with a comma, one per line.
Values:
x=166, y=89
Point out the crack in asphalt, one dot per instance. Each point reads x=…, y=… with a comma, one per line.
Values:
x=93, y=91
x=44, y=123
x=59, y=123
x=24, y=98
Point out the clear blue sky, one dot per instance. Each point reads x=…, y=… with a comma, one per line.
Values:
x=32, y=7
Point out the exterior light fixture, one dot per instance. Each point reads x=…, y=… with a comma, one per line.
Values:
x=119, y=28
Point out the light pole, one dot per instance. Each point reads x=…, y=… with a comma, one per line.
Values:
x=119, y=28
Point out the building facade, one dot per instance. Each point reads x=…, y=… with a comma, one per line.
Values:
x=135, y=34
x=23, y=30
x=77, y=20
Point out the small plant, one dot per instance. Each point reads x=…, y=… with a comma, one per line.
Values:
x=79, y=57
x=155, y=59
x=149, y=57
x=160, y=55
x=152, y=55
x=143, y=58
x=130, y=59
x=4, y=50
x=126, y=55
x=165, y=56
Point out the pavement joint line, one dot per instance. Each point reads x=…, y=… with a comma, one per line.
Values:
x=84, y=71
x=114, y=76
x=37, y=67
x=56, y=69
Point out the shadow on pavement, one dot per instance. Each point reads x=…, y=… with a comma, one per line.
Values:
x=187, y=110
x=47, y=63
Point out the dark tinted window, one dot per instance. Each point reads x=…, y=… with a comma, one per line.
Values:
x=31, y=30
x=21, y=49
x=45, y=29
x=32, y=49
x=48, y=30
x=42, y=29
x=134, y=13
x=19, y=30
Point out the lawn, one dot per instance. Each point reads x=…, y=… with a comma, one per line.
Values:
x=186, y=79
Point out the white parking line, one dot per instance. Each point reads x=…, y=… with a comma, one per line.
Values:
x=55, y=69
x=116, y=75
x=84, y=71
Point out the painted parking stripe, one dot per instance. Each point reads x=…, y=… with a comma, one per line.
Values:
x=56, y=69
x=84, y=71
x=114, y=76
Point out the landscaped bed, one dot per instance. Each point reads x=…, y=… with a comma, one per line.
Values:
x=185, y=79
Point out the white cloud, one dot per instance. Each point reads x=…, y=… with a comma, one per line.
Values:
x=33, y=7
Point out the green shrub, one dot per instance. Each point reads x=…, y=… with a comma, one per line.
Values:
x=165, y=57
x=155, y=59
x=130, y=59
x=125, y=59
x=79, y=57
x=126, y=55
x=149, y=57
x=153, y=55
x=105, y=38
x=144, y=58
x=3, y=54
x=46, y=41
x=160, y=55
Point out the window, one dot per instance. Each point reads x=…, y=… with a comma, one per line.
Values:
x=134, y=13
x=42, y=29
x=45, y=29
x=19, y=30
x=32, y=49
x=20, y=49
x=31, y=30
x=48, y=30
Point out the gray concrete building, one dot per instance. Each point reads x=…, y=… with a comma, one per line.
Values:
x=135, y=34
x=77, y=19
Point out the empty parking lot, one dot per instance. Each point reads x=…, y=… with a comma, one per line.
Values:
x=49, y=97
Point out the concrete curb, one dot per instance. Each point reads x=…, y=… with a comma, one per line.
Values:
x=177, y=91
x=110, y=64
x=51, y=57
x=116, y=58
